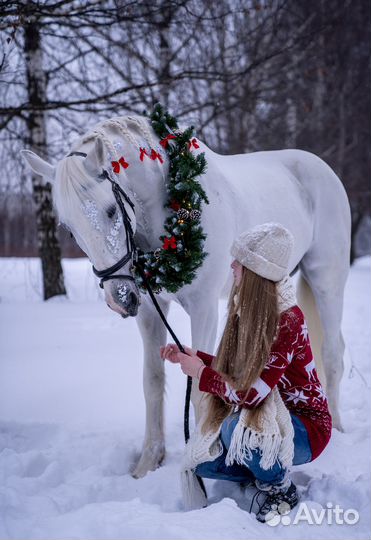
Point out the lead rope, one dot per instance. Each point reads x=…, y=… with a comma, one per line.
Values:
x=163, y=318
x=132, y=247
x=189, y=379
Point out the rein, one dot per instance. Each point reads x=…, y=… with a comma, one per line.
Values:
x=132, y=254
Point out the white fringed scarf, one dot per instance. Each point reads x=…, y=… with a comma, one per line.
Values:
x=268, y=429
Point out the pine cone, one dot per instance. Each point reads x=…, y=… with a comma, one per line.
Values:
x=183, y=213
x=195, y=215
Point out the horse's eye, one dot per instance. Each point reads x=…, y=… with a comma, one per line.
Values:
x=111, y=211
x=67, y=229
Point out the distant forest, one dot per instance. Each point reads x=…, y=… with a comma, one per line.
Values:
x=249, y=75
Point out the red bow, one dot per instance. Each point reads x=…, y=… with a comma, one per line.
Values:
x=175, y=205
x=194, y=143
x=165, y=141
x=143, y=152
x=156, y=155
x=116, y=165
x=169, y=243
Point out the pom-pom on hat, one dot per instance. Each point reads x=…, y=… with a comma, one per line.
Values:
x=265, y=249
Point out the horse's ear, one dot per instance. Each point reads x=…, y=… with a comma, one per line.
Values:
x=95, y=160
x=38, y=165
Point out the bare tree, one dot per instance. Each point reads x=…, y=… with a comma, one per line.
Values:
x=48, y=246
x=250, y=74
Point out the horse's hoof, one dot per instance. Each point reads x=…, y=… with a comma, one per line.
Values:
x=149, y=461
x=339, y=427
x=337, y=424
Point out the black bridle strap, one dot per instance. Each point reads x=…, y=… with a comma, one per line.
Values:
x=118, y=193
x=114, y=268
x=116, y=276
x=106, y=175
x=82, y=154
x=131, y=249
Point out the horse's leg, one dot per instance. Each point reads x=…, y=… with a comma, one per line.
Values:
x=307, y=302
x=203, y=312
x=153, y=334
x=326, y=276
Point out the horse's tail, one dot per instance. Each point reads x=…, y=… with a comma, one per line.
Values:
x=308, y=305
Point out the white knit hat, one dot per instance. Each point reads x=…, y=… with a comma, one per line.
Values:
x=265, y=250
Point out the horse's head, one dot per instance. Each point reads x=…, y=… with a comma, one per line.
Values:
x=87, y=206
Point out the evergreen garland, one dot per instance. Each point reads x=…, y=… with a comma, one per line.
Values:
x=175, y=263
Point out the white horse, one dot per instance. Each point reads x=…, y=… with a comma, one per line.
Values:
x=291, y=187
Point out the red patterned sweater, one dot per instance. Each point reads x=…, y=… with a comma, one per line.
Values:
x=291, y=367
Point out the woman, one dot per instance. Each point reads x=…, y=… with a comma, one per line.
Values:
x=266, y=407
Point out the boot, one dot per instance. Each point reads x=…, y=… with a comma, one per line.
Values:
x=278, y=501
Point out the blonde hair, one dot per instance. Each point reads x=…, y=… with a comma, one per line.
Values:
x=246, y=342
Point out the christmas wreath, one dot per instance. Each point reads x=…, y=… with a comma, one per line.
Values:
x=175, y=263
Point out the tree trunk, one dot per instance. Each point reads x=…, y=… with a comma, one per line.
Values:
x=357, y=218
x=320, y=83
x=164, y=75
x=48, y=245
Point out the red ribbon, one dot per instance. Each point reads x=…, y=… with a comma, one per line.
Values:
x=194, y=143
x=143, y=152
x=175, y=205
x=116, y=165
x=169, y=243
x=155, y=155
x=165, y=141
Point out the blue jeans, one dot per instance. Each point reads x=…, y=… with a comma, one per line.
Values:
x=251, y=469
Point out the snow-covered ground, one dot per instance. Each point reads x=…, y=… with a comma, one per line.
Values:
x=72, y=421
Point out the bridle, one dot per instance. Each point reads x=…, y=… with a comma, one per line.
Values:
x=132, y=252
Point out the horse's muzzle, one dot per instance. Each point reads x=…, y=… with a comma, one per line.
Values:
x=133, y=304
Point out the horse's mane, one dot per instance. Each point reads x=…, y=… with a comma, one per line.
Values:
x=72, y=181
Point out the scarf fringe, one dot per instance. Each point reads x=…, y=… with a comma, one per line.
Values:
x=245, y=440
x=201, y=448
x=273, y=438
